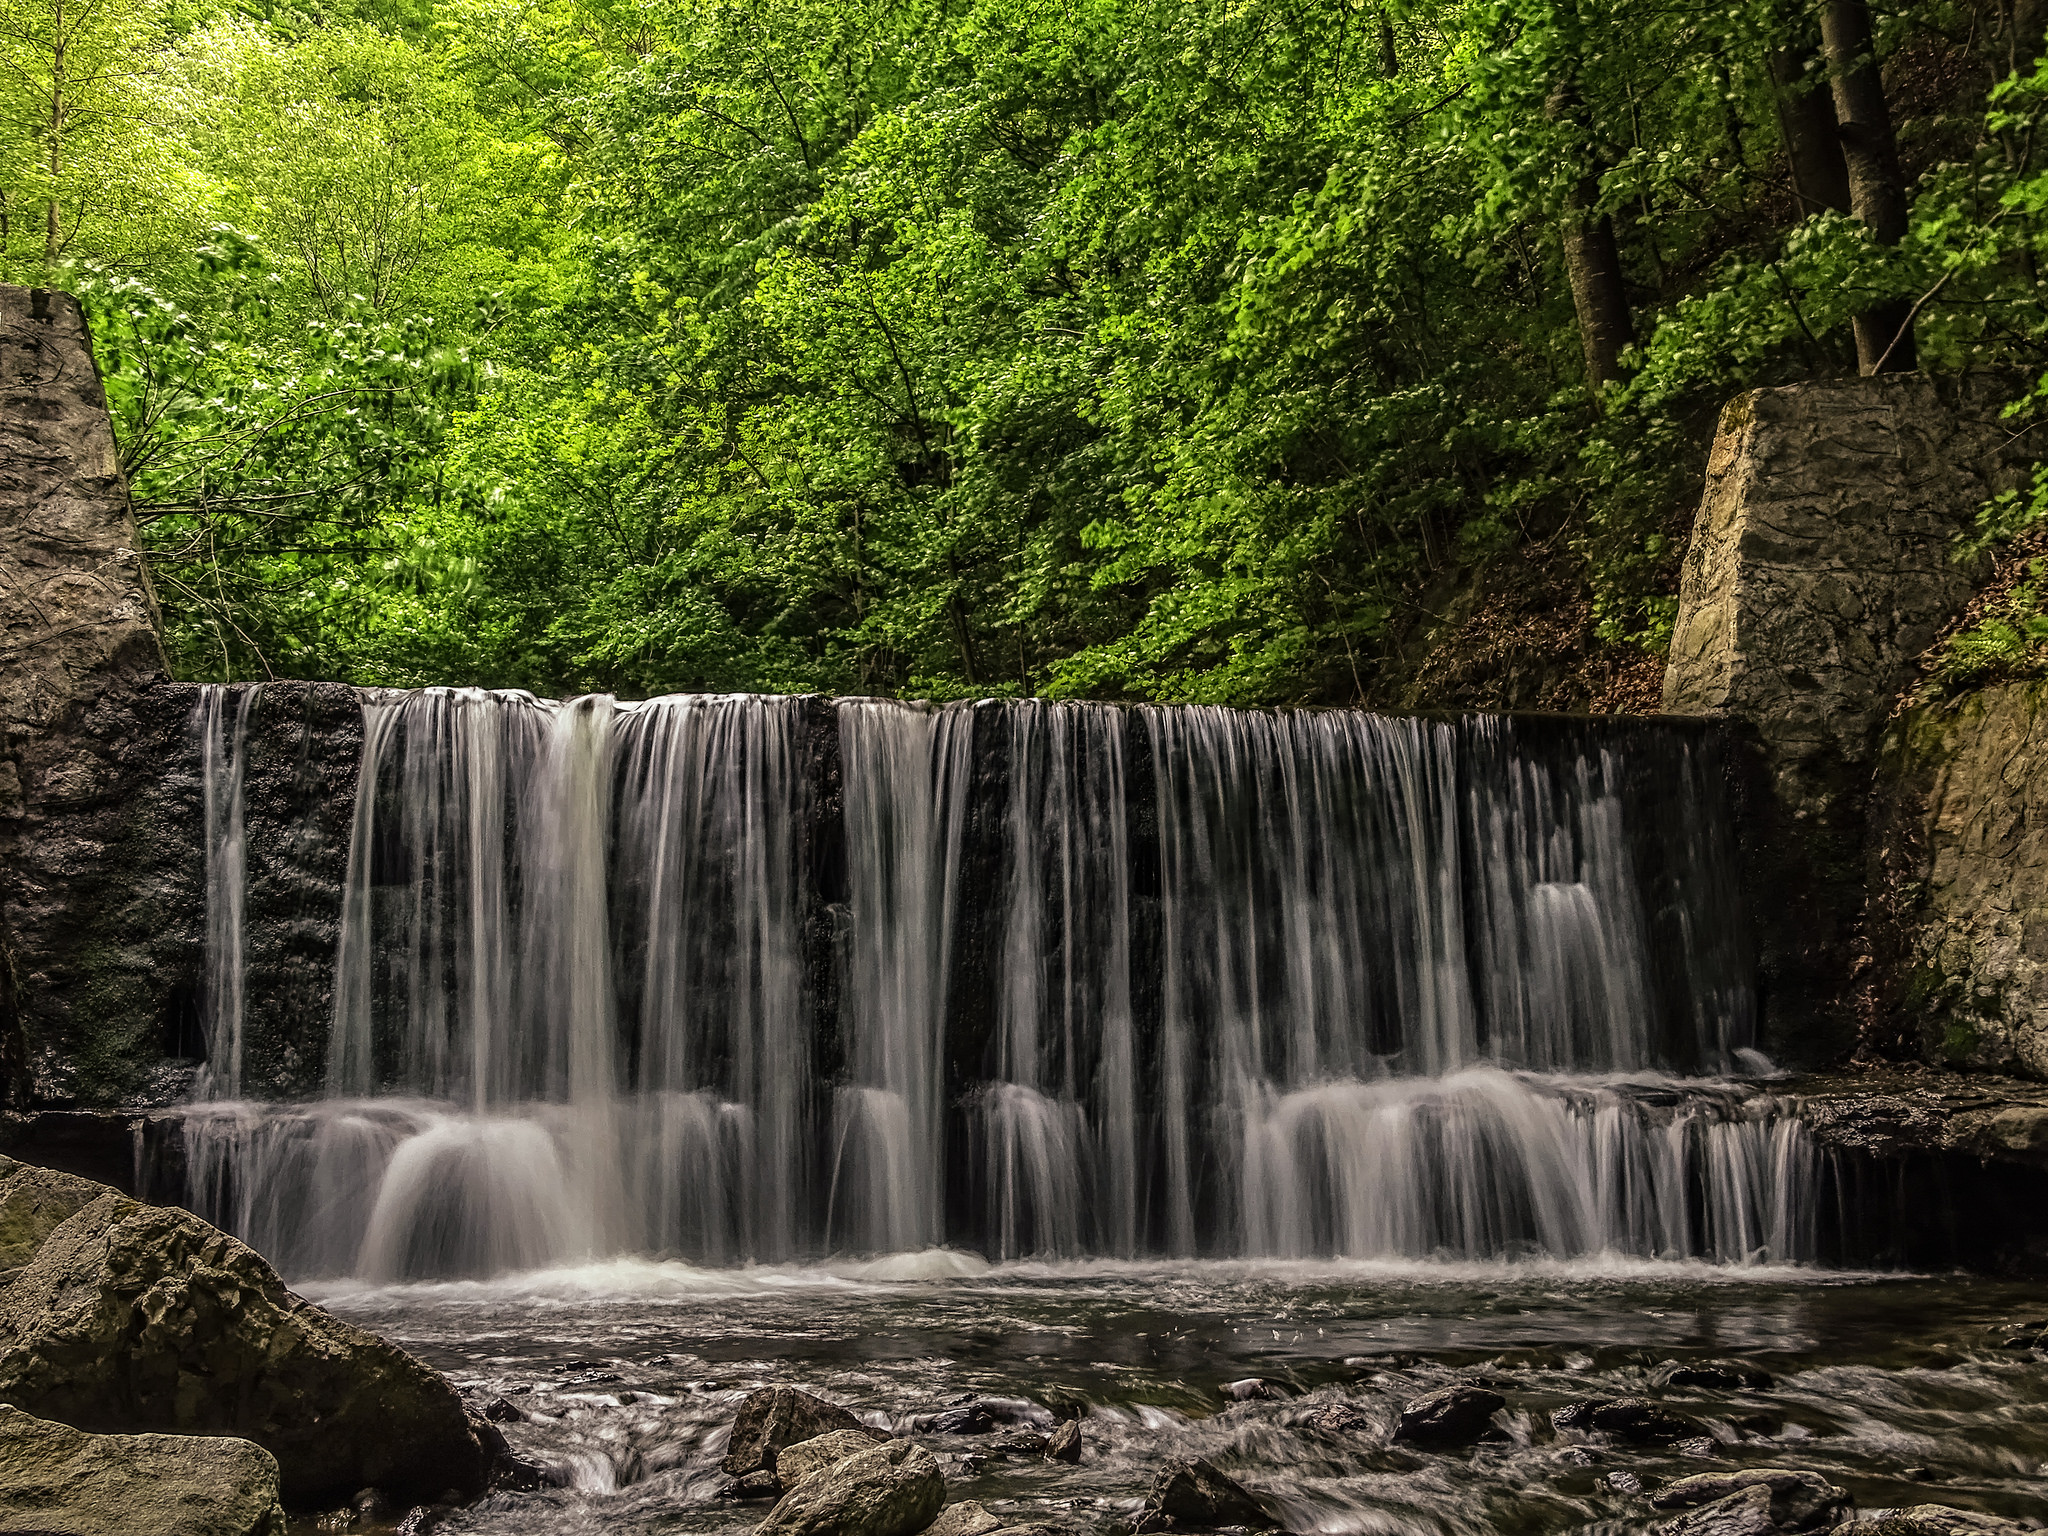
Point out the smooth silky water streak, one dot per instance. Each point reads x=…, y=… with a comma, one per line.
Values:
x=905, y=768
x=220, y=721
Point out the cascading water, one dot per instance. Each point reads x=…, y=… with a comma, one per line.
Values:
x=220, y=723
x=746, y=978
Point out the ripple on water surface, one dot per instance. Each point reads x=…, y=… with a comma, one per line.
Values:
x=628, y=1372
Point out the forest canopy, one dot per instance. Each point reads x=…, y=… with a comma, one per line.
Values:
x=1170, y=349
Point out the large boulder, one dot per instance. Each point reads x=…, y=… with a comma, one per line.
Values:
x=1798, y=1500
x=134, y=1318
x=775, y=1417
x=34, y=1202
x=894, y=1489
x=54, y=1478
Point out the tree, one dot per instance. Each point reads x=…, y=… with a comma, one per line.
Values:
x=1877, y=187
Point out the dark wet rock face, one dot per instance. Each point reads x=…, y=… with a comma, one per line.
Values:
x=1746, y=1512
x=1065, y=1442
x=1634, y=1419
x=1939, y=1520
x=894, y=1489
x=775, y=1417
x=1797, y=1500
x=1190, y=1492
x=1451, y=1416
x=61, y=1481
x=133, y=1318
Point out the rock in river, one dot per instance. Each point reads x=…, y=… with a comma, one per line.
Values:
x=1191, y=1492
x=1746, y=1512
x=967, y=1518
x=887, y=1490
x=1799, y=1500
x=57, y=1479
x=775, y=1417
x=799, y=1461
x=135, y=1318
x=1635, y=1419
x=1065, y=1444
x=1449, y=1416
x=1938, y=1520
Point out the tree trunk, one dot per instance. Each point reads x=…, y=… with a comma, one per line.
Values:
x=1592, y=262
x=1806, y=122
x=1877, y=188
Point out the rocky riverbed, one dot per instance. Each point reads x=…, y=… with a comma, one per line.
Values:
x=1579, y=1398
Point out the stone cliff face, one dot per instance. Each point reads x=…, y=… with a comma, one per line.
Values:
x=1959, y=881
x=79, y=750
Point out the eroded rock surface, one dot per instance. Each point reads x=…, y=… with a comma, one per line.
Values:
x=56, y=1479
x=776, y=1417
x=1191, y=1492
x=134, y=1318
x=1959, y=881
x=894, y=1489
x=799, y=1461
x=1821, y=567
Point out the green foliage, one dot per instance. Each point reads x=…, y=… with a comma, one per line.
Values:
x=2010, y=638
x=1123, y=348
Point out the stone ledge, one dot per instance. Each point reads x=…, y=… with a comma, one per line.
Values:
x=1894, y=1112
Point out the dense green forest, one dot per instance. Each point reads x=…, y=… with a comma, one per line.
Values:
x=1176, y=349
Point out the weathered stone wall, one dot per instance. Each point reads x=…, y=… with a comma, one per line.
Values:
x=78, y=649
x=1958, y=922
x=1821, y=567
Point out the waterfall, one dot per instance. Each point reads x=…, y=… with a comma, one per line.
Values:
x=905, y=770
x=740, y=978
x=220, y=722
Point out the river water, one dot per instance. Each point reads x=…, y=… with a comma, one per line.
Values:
x=1902, y=1390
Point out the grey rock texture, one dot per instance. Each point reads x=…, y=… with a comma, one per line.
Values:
x=1821, y=567
x=775, y=1417
x=1796, y=1500
x=967, y=1518
x=57, y=1479
x=133, y=1318
x=1746, y=1512
x=1937, y=1520
x=799, y=1461
x=888, y=1490
x=1893, y=1113
x=34, y=1202
x=78, y=646
x=1959, y=880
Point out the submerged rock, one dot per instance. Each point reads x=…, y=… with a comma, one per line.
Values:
x=1340, y=1419
x=1799, y=1500
x=1065, y=1444
x=1743, y=1513
x=967, y=1518
x=970, y=1420
x=1191, y=1492
x=54, y=1478
x=799, y=1461
x=135, y=1318
x=887, y=1490
x=1717, y=1376
x=1456, y=1415
x=1253, y=1389
x=775, y=1417
x=1635, y=1419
